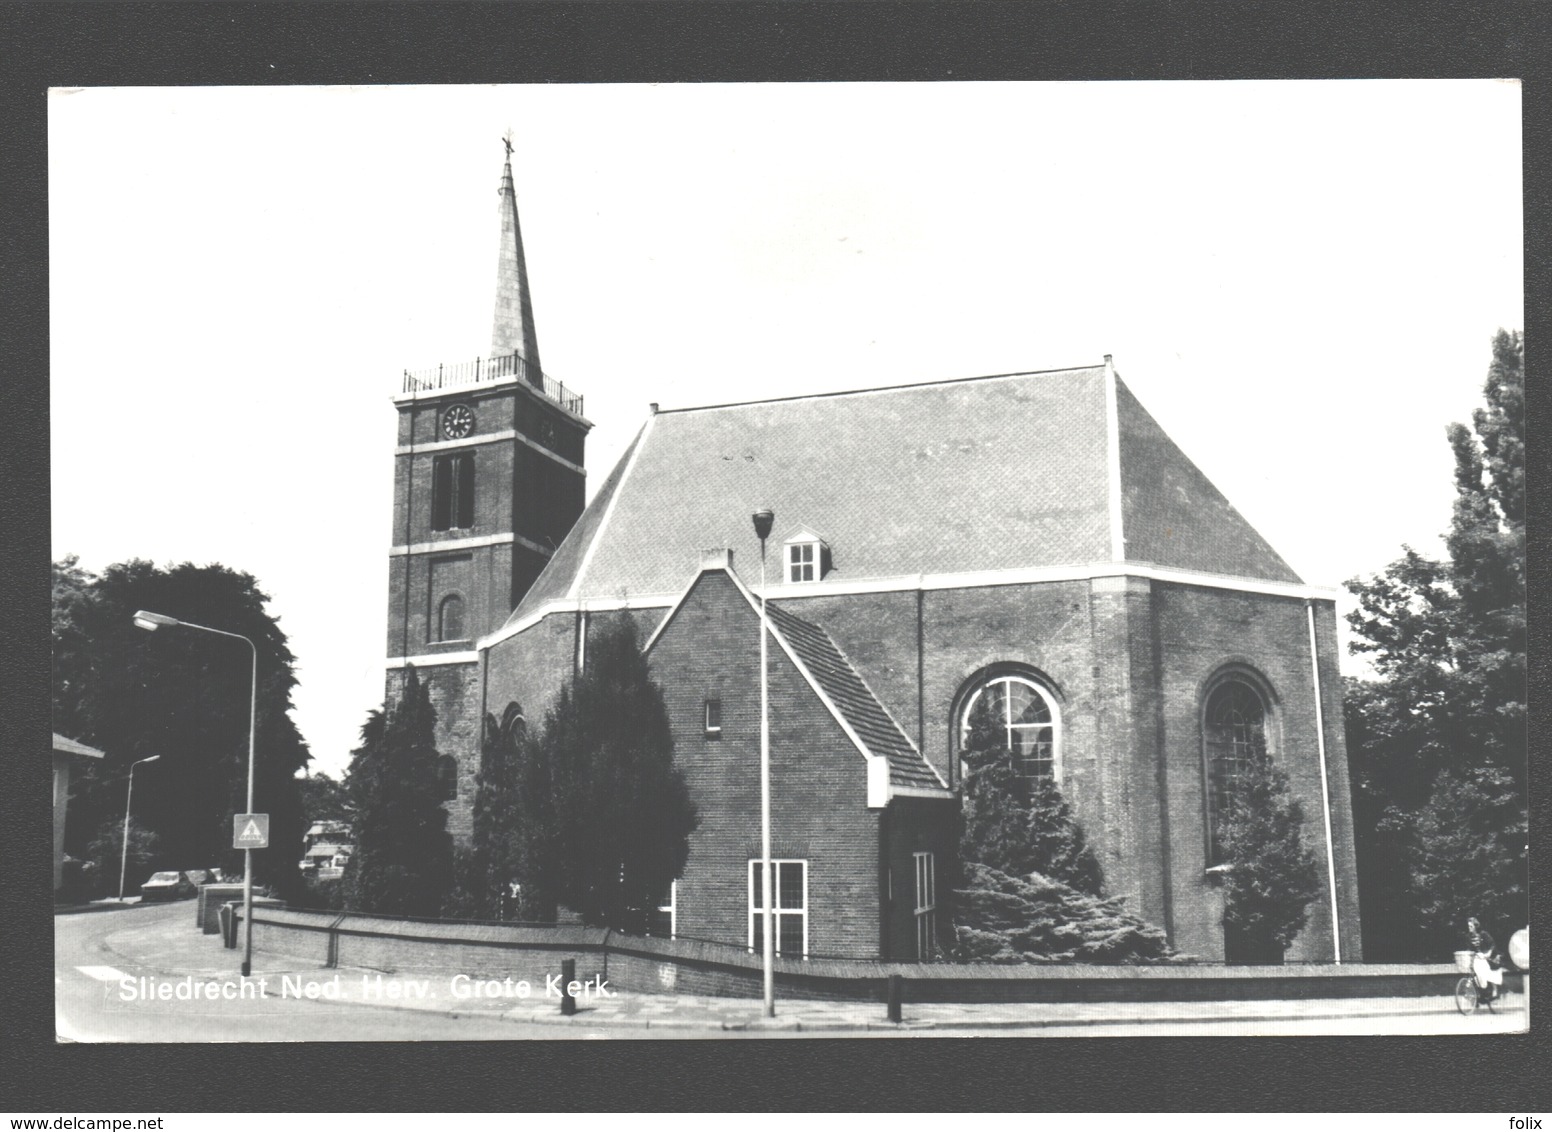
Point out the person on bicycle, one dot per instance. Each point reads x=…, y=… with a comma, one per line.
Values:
x=1485, y=962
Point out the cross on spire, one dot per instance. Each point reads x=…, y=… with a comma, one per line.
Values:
x=506, y=140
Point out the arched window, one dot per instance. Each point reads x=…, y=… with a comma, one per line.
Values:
x=1023, y=716
x=1234, y=728
x=447, y=777
x=450, y=619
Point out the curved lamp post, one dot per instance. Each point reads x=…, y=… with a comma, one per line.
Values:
x=762, y=529
x=128, y=796
x=153, y=621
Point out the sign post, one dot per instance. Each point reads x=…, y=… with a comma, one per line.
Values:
x=249, y=832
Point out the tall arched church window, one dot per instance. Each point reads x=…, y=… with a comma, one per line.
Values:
x=447, y=777
x=1235, y=740
x=450, y=619
x=1021, y=715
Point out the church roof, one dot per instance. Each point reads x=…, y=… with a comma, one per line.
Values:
x=983, y=474
x=856, y=703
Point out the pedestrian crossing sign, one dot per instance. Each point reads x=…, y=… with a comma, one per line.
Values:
x=250, y=831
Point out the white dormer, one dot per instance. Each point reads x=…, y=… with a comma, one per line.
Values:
x=805, y=557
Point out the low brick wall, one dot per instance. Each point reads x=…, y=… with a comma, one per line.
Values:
x=661, y=966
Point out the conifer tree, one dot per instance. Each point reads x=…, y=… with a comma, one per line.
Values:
x=404, y=855
x=495, y=857
x=1272, y=875
x=1031, y=886
x=607, y=816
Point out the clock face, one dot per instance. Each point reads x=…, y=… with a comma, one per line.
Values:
x=547, y=431
x=458, y=422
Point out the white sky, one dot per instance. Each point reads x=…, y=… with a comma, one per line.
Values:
x=1300, y=281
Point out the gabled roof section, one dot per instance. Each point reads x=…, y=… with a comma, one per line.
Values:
x=845, y=688
x=820, y=661
x=1172, y=515
x=984, y=474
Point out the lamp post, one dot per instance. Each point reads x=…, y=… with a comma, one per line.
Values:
x=762, y=529
x=128, y=796
x=153, y=621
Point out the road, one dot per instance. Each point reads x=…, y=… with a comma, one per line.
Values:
x=108, y=961
x=94, y=951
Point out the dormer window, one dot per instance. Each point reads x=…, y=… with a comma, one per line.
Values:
x=800, y=562
x=807, y=557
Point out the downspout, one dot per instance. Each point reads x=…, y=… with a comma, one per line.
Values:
x=921, y=686
x=1325, y=789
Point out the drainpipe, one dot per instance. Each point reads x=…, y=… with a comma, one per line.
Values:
x=1325, y=789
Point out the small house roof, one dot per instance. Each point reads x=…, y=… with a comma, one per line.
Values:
x=72, y=747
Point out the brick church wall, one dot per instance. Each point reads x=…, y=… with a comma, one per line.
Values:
x=818, y=780
x=1201, y=631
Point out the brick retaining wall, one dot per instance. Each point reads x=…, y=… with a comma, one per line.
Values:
x=648, y=965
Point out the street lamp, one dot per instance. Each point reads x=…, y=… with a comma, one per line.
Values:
x=153, y=621
x=129, y=794
x=762, y=529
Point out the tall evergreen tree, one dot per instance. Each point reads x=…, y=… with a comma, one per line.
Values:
x=403, y=863
x=1013, y=824
x=1438, y=743
x=183, y=695
x=606, y=815
x=495, y=857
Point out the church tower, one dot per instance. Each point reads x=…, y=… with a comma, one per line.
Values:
x=488, y=479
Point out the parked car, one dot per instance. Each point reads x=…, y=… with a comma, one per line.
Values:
x=171, y=885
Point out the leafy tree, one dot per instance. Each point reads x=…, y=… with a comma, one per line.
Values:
x=606, y=815
x=1272, y=875
x=105, y=858
x=1032, y=887
x=1472, y=824
x=183, y=695
x=403, y=863
x=1437, y=744
x=324, y=798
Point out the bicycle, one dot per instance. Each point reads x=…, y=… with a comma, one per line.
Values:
x=1470, y=991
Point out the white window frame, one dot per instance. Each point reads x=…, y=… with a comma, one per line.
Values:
x=756, y=864
x=672, y=908
x=712, y=731
x=1050, y=703
x=926, y=905
x=801, y=556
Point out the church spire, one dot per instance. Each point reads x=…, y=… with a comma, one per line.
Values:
x=512, y=329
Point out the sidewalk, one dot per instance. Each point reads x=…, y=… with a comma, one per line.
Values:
x=178, y=949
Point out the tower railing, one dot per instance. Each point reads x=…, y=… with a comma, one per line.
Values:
x=480, y=370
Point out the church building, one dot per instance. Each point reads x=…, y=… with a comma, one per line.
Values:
x=1032, y=539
